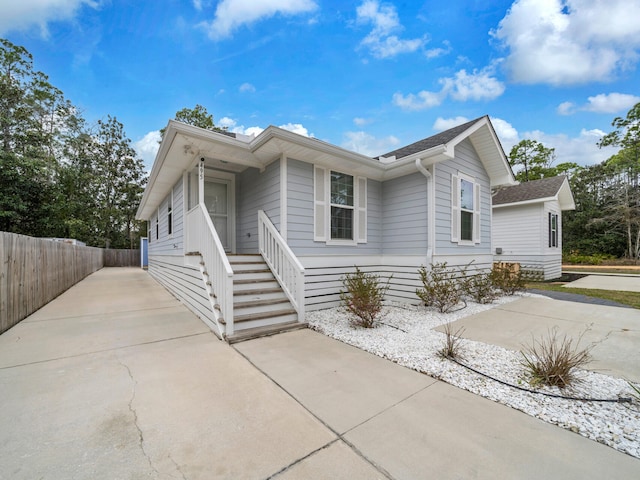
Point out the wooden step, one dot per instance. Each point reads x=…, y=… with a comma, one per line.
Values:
x=259, y=303
x=267, y=330
x=263, y=315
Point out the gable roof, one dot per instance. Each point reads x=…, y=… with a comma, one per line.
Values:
x=534, y=191
x=183, y=145
x=441, y=138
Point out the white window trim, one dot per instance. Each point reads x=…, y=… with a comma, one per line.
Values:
x=456, y=210
x=322, y=208
x=551, y=231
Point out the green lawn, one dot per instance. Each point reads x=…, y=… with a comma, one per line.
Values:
x=627, y=298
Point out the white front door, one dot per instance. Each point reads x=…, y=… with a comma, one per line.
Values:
x=218, y=198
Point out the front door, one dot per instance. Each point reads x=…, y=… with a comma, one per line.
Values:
x=218, y=199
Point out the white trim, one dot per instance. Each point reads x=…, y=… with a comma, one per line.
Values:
x=319, y=204
x=230, y=180
x=283, y=197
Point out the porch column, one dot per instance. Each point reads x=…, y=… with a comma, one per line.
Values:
x=201, y=181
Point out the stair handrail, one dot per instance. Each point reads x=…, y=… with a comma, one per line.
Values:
x=204, y=239
x=282, y=262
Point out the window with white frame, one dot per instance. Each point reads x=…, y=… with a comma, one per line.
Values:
x=170, y=214
x=553, y=229
x=158, y=223
x=340, y=207
x=465, y=209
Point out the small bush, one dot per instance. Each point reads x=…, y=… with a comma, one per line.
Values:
x=553, y=360
x=452, y=339
x=480, y=288
x=577, y=258
x=362, y=297
x=441, y=288
x=507, y=278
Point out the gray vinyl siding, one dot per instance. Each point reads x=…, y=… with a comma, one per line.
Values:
x=183, y=281
x=255, y=191
x=323, y=284
x=522, y=231
x=404, y=215
x=300, y=216
x=169, y=244
x=466, y=161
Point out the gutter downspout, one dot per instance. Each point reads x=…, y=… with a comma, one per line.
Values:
x=431, y=217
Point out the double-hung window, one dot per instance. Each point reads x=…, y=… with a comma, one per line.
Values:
x=553, y=229
x=340, y=207
x=465, y=210
x=170, y=214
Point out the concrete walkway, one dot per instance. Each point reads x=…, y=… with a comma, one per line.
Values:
x=116, y=380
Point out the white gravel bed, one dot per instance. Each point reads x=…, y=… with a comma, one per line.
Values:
x=406, y=336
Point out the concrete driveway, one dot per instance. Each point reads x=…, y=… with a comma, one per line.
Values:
x=116, y=380
x=625, y=283
x=614, y=331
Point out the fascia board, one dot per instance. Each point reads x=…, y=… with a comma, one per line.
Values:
x=169, y=136
x=525, y=202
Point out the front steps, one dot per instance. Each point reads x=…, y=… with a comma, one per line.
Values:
x=260, y=307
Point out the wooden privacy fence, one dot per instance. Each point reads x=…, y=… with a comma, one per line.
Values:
x=122, y=258
x=34, y=271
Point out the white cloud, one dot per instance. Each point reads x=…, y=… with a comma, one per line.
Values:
x=602, y=103
x=247, y=88
x=611, y=103
x=232, y=14
x=147, y=147
x=381, y=41
x=25, y=14
x=439, y=52
x=359, y=121
x=507, y=135
x=197, y=4
x=479, y=85
x=442, y=124
x=563, y=42
x=367, y=144
x=297, y=128
x=232, y=126
x=566, y=108
x=581, y=149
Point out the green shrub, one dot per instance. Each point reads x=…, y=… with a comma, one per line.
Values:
x=362, y=297
x=553, y=360
x=636, y=389
x=480, y=287
x=441, y=288
x=577, y=258
x=507, y=278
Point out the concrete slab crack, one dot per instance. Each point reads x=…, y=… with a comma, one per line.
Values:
x=135, y=419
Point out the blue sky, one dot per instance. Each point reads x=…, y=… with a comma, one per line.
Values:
x=366, y=75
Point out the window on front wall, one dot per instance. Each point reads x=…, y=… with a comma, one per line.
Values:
x=553, y=229
x=170, y=214
x=340, y=207
x=465, y=209
x=157, y=224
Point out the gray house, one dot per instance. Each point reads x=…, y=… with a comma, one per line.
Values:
x=527, y=225
x=251, y=232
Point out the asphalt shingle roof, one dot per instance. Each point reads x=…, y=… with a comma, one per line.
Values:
x=441, y=138
x=533, y=190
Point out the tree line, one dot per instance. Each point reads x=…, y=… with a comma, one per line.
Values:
x=606, y=220
x=59, y=176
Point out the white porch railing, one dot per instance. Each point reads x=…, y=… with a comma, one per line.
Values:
x=283, y=263
x=203, y=238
